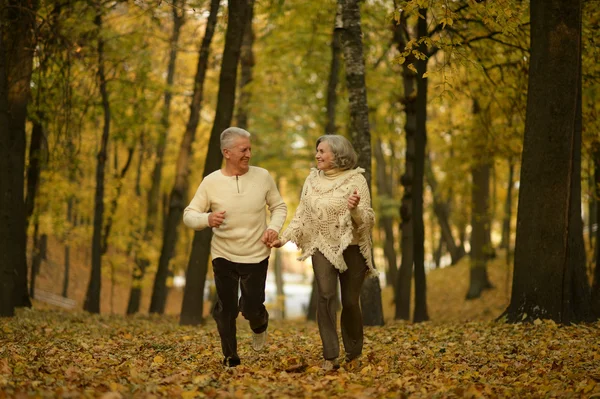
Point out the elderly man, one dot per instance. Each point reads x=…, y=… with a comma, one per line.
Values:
x=233, y=201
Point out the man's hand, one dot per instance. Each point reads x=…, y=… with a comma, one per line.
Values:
x=353, y=200
x=268, y=237
x=216, y=219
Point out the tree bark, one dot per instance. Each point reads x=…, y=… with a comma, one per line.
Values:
x=311, y=311
x=247, y=64
x=115, y=201
x=386, y=222
x=17, y=43
x=478, y=278
x=420, y=313
x=508, y=211
x=596, y=193
x=405, y=272
x=92, y=298
x=334, y=72
x=549, y=279
x=193, y=300
x=279, y=284
x=352, y=48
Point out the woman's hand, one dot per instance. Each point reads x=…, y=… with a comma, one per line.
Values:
x=275, y=244
x=353, y=200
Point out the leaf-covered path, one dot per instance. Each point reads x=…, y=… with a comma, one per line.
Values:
x=61, y=354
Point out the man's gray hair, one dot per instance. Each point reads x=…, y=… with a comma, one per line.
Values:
x=230, y=134
x=344, y=156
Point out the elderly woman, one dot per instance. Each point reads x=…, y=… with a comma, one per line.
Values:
x=333, y=224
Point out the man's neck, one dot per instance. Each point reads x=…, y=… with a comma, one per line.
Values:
x=231, y=171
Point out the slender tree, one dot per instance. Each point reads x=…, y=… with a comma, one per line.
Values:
x=386, y=222
x=441, y=209
x=153, y=196
x=480, y=214
x=92, y=297
x=247, y=62
x=411, y=210
x=596, y=193
x=549, y=279
x=193, y=299
x=352, y=48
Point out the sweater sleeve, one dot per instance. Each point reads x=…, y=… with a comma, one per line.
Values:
x=363, y=215
x=196, y=214
x=277, y=207
x=294, y=230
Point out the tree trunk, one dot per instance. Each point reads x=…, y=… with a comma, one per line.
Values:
x=442, y=212
x=352, y=47
x=385, y=220
x=92, y=298
x=36, y=259
x=549, y=279
x=596, y=194
x=420, y=313
x=34, y=167
x=592, y=208
x=115, y=201
x=334, y=71
x=279, y=285
x=311, y=312
x=141, y=260
x=246, y=64
x=71, y=221
x=405, y=273
x=17, y=43
x=193, y=300
x=508, y=211
x=478, y=280
x=178, y=196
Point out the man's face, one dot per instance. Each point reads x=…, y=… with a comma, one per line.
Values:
x=239, y=154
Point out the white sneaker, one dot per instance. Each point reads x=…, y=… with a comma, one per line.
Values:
x=259, y=341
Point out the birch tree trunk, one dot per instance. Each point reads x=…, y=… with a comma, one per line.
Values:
x=352, y=47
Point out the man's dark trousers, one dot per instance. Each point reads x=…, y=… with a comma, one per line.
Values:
x=251, y=278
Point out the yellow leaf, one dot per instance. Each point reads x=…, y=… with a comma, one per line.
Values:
x=412, y=68
x=159, y=359
x=537, y=322
x=189, y=394
x=426, y=74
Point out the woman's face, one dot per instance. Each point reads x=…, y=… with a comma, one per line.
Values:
x=324, y=156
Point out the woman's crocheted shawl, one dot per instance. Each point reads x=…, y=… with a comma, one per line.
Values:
x=323, y=221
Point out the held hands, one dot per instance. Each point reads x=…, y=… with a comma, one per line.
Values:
x=216, y=219
x=353, y=200
x=269, y=236
x=275, y=244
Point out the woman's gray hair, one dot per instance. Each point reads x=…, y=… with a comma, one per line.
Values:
x=344, y=156
x=230, y=134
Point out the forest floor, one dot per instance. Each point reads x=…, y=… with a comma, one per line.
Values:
x=463, y=352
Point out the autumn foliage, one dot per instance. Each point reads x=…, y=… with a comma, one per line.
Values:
x=462, y=353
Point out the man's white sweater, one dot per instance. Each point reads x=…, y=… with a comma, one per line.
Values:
x=244, y=199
